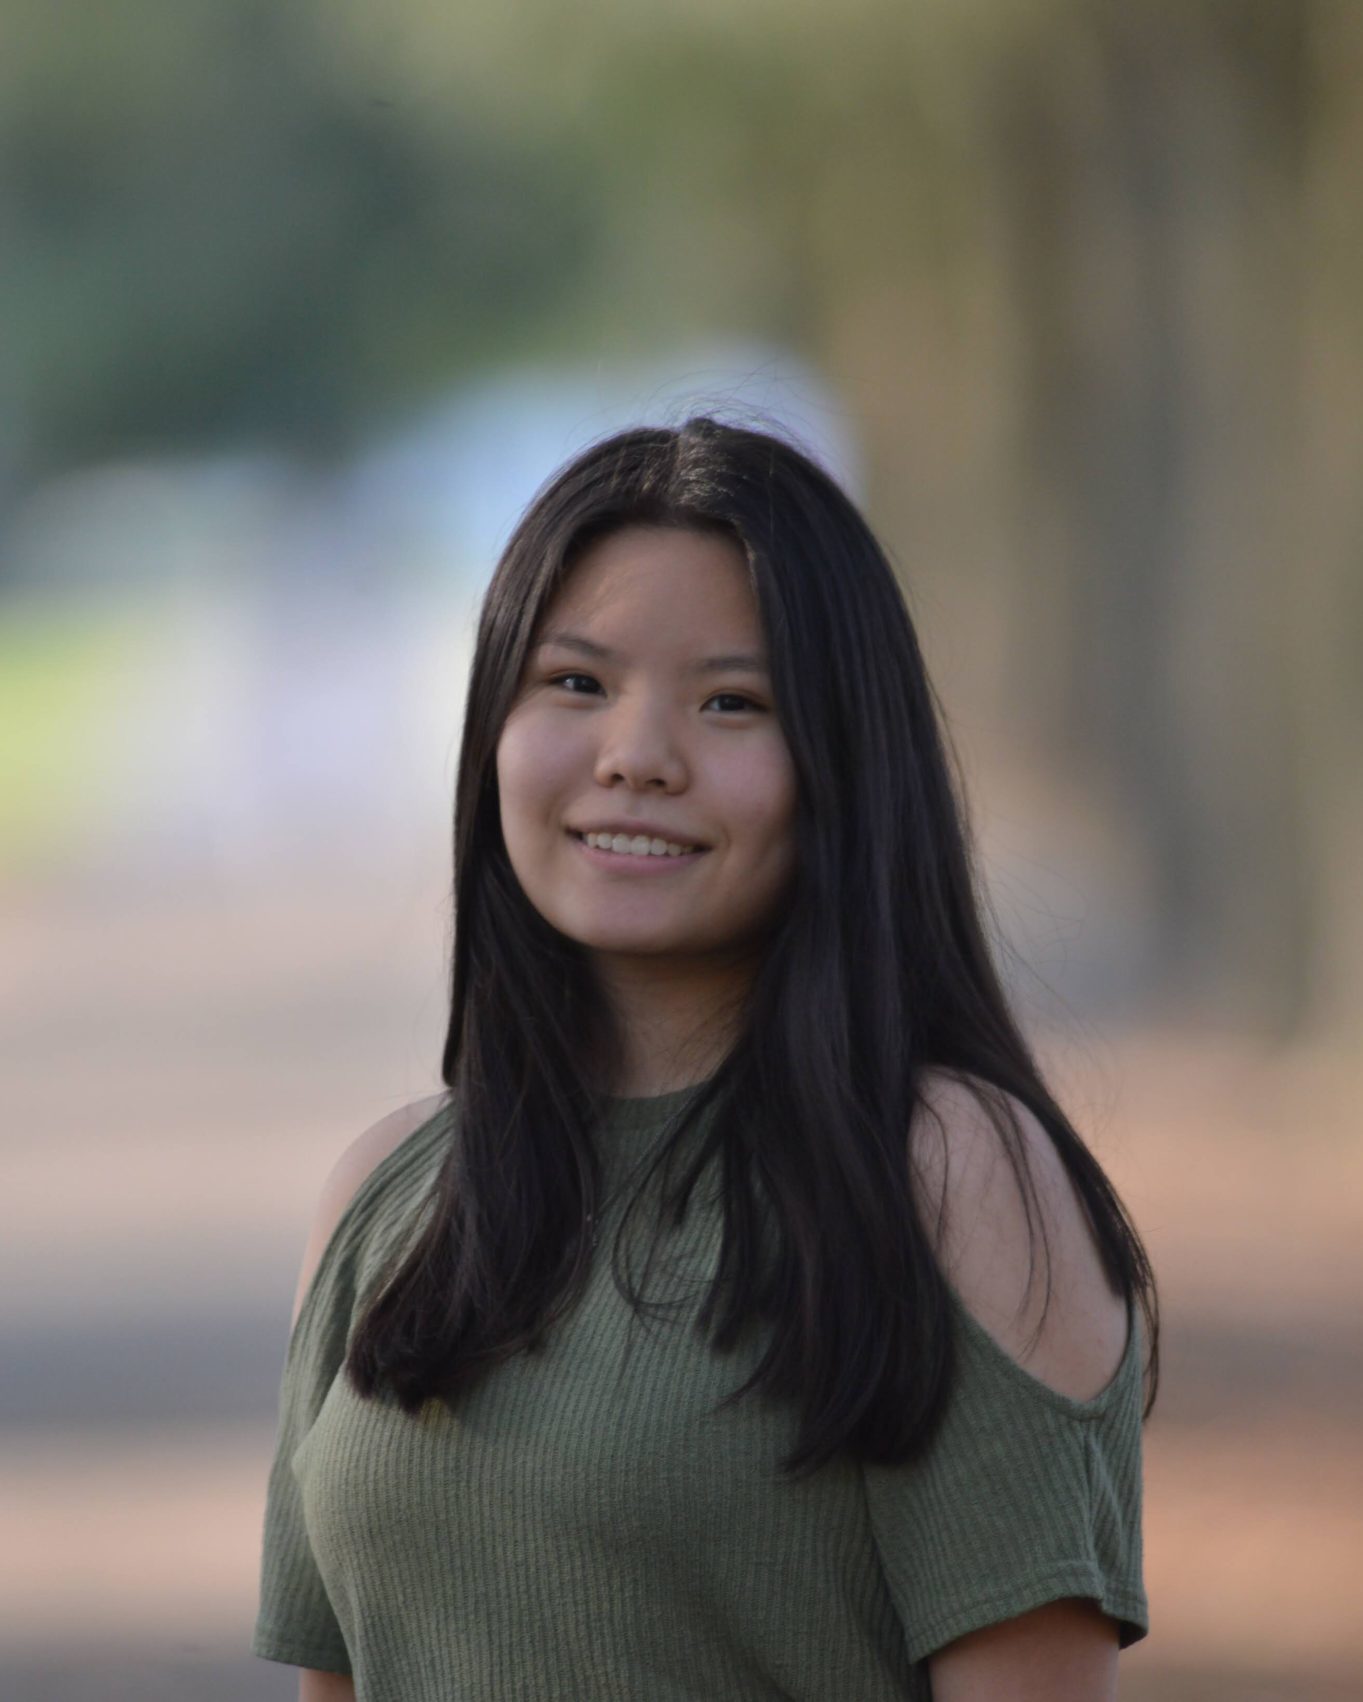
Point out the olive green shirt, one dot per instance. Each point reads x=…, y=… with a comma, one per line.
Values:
x=587, y=1526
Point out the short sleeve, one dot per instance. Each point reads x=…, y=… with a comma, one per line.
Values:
x=296, y=1623
x=1024, y=1497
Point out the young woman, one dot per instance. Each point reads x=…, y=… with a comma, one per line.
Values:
x=746, y=1320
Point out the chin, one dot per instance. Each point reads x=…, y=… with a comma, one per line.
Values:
x=613, y=935
x=633, y=942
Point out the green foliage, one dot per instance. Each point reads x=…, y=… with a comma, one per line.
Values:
x=211, y=232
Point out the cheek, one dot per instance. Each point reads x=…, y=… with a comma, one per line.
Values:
x=533, y=768
x=761, y=792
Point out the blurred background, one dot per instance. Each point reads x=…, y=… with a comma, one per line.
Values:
x=300, y=304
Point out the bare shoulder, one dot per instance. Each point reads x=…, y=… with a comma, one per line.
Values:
x=364, y=1154
x=974, y=1209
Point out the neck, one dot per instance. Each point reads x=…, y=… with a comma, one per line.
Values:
x=675, y=1021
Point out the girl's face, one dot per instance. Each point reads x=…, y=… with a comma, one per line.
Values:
x=646, y=714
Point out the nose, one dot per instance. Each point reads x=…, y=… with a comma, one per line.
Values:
x=639, y=749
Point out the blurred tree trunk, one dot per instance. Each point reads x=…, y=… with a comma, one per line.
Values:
x=1327, y=613
x=1150, y=174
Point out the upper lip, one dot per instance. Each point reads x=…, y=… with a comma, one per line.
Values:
x=630, y=828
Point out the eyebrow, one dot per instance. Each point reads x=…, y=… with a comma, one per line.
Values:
x=737, y=661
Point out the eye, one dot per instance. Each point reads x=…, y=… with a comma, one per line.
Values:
x=562, y=679
x=736, y=698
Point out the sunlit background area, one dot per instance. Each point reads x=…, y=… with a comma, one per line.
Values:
x=301, y=303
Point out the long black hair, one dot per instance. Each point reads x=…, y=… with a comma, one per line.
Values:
x=877, y=972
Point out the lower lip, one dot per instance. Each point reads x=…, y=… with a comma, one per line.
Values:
x=625, y=863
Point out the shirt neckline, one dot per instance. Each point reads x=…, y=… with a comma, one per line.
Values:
x=645, y=1111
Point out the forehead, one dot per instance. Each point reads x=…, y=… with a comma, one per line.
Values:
x=663, y=577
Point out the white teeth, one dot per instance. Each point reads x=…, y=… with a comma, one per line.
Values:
x=638, y=846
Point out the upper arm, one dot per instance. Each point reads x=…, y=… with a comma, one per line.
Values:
x=314, y=1686
x=346, y=1178
x=1065, y=1651
x=973, y=1207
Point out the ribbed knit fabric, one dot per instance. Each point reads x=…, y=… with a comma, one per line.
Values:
x=587, y=1527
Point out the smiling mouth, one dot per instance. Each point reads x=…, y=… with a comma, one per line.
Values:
x=639, y=845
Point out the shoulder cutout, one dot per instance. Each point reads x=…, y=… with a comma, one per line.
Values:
x=347, y=1176
x=973, y=1209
